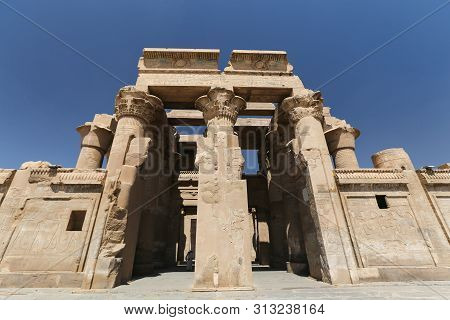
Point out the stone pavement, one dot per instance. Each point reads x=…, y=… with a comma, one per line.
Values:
x=268, y=285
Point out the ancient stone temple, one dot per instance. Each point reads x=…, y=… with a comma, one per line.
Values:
x=164, y=180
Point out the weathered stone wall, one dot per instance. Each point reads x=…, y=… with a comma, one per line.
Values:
x=394, y=229
x=46, y=221
x=437, y=184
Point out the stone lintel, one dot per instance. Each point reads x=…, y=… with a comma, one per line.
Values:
x=259, y=62
x=164, y=60
x=189, y=138
x=253, y=109
x=185, y=117
x=186, y=88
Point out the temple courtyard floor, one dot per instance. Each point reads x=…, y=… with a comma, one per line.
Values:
x=268, y=285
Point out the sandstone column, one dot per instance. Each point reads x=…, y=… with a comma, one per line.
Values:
x=335, y=256
x=223, y=252
x=341, y=144
x=115, y=234
x=394, y=158
x=96, y=138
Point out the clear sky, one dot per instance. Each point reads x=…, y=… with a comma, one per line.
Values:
x=397, y=97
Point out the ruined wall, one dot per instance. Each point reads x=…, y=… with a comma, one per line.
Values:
x=437, y=184
x=394, y=230
x=46, y=221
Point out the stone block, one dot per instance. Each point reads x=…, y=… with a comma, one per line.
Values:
x=164, y=60
x=259, y=62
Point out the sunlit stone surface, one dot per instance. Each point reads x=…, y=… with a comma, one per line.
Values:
x=162, y=182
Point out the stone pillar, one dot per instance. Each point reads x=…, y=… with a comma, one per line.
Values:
x=113, y=244
x=223, y=252
x=334, y=253
x=96, y=138
x=341, y=144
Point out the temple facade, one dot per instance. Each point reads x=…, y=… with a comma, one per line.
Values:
x=164, y=179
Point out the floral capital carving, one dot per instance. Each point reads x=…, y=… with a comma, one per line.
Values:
x=306, y=104
x=220, y=106
x=93, y=135
x=134, y=103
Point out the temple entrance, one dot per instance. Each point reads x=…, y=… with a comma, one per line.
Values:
x=274, y=244
x=258, y=237
x=187, y=234
x=258, y=214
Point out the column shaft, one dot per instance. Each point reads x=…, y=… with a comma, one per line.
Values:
x=345, y=158
x=128, y=128
x=90, y=158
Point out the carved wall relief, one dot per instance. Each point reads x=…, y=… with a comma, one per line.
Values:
x=45, y=238
x=387, y=237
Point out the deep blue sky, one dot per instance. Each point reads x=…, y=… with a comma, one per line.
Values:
x=400, y=96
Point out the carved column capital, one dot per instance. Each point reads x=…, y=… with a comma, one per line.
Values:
x=306, y=104
x=220, y=106
x=93, y=135
x=341, y=137
x=96, y=138
x=134, y=103
x=341, y=144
